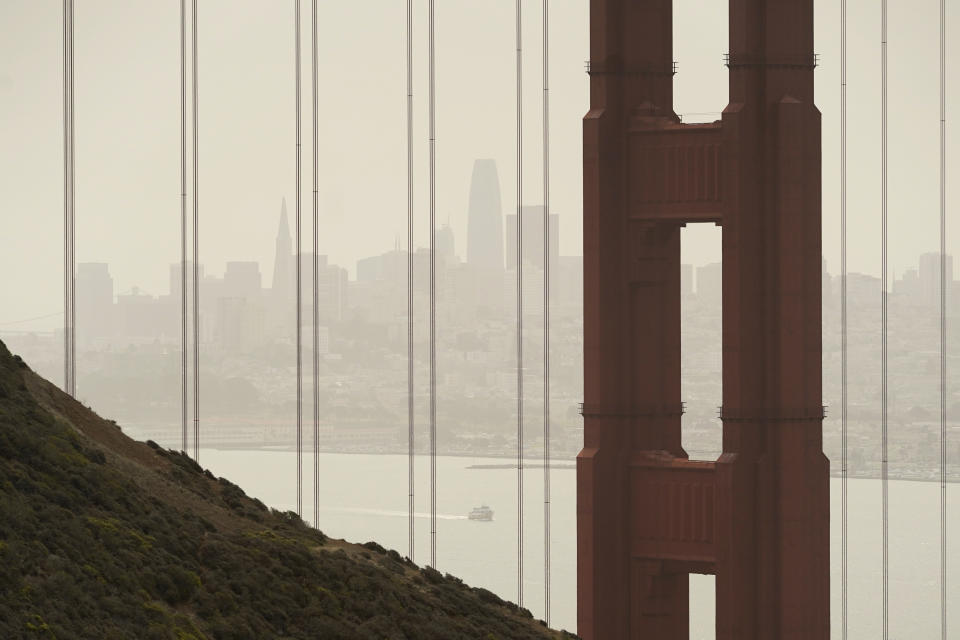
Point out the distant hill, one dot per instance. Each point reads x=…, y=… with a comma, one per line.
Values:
x=104, y=537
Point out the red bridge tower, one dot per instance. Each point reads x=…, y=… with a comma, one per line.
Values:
x=757, y=517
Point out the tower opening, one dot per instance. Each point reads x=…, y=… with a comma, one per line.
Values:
x=701, y=333
x=701, y=36
x=703, y=607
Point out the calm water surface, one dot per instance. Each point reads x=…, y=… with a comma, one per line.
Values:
x=364, y=497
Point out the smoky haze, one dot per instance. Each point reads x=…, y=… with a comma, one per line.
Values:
x=127, y=128
x=128, y=247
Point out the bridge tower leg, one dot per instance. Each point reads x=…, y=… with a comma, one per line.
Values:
x=758, y=517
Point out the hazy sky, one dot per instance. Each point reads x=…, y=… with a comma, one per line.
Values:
x=127, y=129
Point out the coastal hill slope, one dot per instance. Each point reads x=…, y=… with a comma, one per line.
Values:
x=105, y=537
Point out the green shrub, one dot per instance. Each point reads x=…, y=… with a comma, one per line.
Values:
x=86, y=552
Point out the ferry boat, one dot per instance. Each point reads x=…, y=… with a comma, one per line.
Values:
x=483, y=512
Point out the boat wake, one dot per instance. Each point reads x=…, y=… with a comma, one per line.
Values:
x=390, y=513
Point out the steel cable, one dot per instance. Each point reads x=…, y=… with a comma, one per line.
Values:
x=196, y=241
x=519, y=26
x=546, y=310
x=943, y=321
x=410, y=416
x=73, y=220
x=843, y=314
x=433, y=295
x=316, y=273
x=184, y=337
x=884, y=461
x=299, y=270
x=67, y=178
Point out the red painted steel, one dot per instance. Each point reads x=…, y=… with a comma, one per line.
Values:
x=757, y=517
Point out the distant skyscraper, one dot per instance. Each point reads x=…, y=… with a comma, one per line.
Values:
x=686, y=280
x=242, y=280
x=826, y=285
x=907, y=289
x=930, y=278
x=485, y=217
x=532, y=238
x=94, y=301
x=863, y=291
x=710, y=282
x=282, y=311
x=176, y=281
x=331, y=290
x=283, y=261
x=390, y=266
x=446, y=252
x=566, y=288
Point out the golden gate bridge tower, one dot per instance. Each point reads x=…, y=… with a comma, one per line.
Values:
x=757, y=517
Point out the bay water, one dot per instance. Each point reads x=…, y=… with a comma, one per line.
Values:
x=365, y=497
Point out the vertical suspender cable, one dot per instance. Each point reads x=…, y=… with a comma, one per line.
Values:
x=184, y=340
x=316, y=273
x=519, y=306
x=410, y=501
x=73, y=222
x=296, y=49
x=883, y=331
x=196, y=242
x=433, y=298
x=66, y=203
x=67, y=187
x=546, y=310
x=843, y=315
x=943, y=320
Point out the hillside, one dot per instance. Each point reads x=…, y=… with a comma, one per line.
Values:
x=105, y=537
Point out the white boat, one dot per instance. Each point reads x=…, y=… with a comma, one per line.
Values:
x=483, y=512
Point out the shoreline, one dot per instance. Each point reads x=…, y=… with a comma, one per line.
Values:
x=537, y=462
